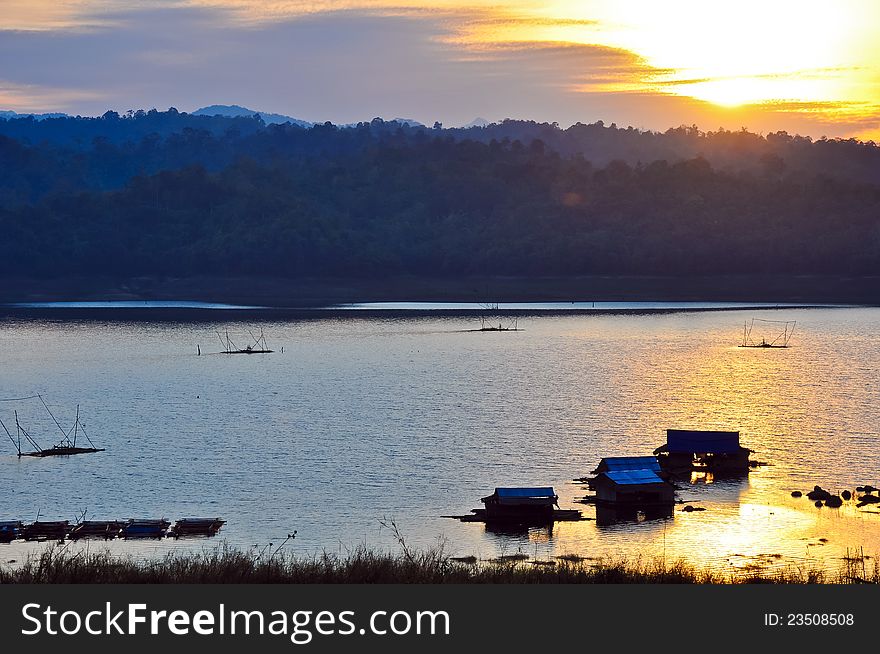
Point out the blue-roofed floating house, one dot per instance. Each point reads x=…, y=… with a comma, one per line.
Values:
x=630, y=488
x=520, y=507
x=718, y=452
x=521, y=503
x=622, y=464
x=643, y=487
x=617, y=463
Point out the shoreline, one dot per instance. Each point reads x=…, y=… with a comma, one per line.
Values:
x=207, y=314
x=303, y=293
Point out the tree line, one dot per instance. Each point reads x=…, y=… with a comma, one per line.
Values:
x=517, y=198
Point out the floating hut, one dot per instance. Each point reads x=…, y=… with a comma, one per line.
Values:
x=642, y=487
x=620, y=463
x=520, y=506
x=718, y=452
x=630, y=488
x=615, y=463
x=517, y=503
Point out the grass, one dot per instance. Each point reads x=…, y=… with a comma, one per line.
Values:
x=225, y=564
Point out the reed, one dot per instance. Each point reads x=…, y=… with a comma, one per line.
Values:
x=225, y=564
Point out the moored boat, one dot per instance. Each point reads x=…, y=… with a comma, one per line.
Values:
x=145, y=528
x=106, y=529
x=45, y=530
x=196, y=527
x=9, y=530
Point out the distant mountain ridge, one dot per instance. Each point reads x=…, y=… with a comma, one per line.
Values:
x=411, y=122
x=236, y=111
x=11, y=115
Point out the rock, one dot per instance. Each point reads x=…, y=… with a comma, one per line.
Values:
x=818, y=504
x=860, y=489
x=796, y=494
x=688, y=508
x=869, y=489
x=846, y=495
x=834, y=502
x=819, y=494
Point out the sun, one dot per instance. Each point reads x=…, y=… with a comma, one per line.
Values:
x=746, y=52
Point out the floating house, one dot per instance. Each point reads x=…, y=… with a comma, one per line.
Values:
x=521, y=503
x=641, y=487
x=718, y=452
x=619, y=463
x=520, y=507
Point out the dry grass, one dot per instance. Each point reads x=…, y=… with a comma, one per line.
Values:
x=228, y=565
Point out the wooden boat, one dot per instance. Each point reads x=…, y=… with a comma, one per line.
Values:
x=106, y=529
x=45, y=530
x=196, y=527
x=9, y=530
x=145, y=528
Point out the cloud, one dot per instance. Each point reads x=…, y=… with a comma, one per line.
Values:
x=343, y=66
x=319, y=62
x=29, y=98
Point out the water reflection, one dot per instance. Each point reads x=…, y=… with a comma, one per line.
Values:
x=607, y=515
x=411, y=419
x=521, y=532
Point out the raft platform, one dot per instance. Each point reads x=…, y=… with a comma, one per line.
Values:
x=558, y=515
x=61, y=530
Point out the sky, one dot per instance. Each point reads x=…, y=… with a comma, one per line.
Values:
x=806, y=67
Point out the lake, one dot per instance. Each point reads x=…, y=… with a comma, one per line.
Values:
x=406, y=416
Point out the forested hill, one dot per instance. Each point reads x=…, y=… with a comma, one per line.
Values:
x=167, y=193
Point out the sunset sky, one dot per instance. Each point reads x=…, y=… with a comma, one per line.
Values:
x=802, y=66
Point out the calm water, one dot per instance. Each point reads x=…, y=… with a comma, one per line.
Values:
x=412, y=418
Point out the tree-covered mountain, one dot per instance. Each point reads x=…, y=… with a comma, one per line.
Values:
x=236, y=111
x=166, y=193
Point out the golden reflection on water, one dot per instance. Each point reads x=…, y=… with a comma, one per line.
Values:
x=791, y=408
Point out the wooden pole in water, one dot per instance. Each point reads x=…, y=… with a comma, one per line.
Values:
x=17, y=446
x=76, y=425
